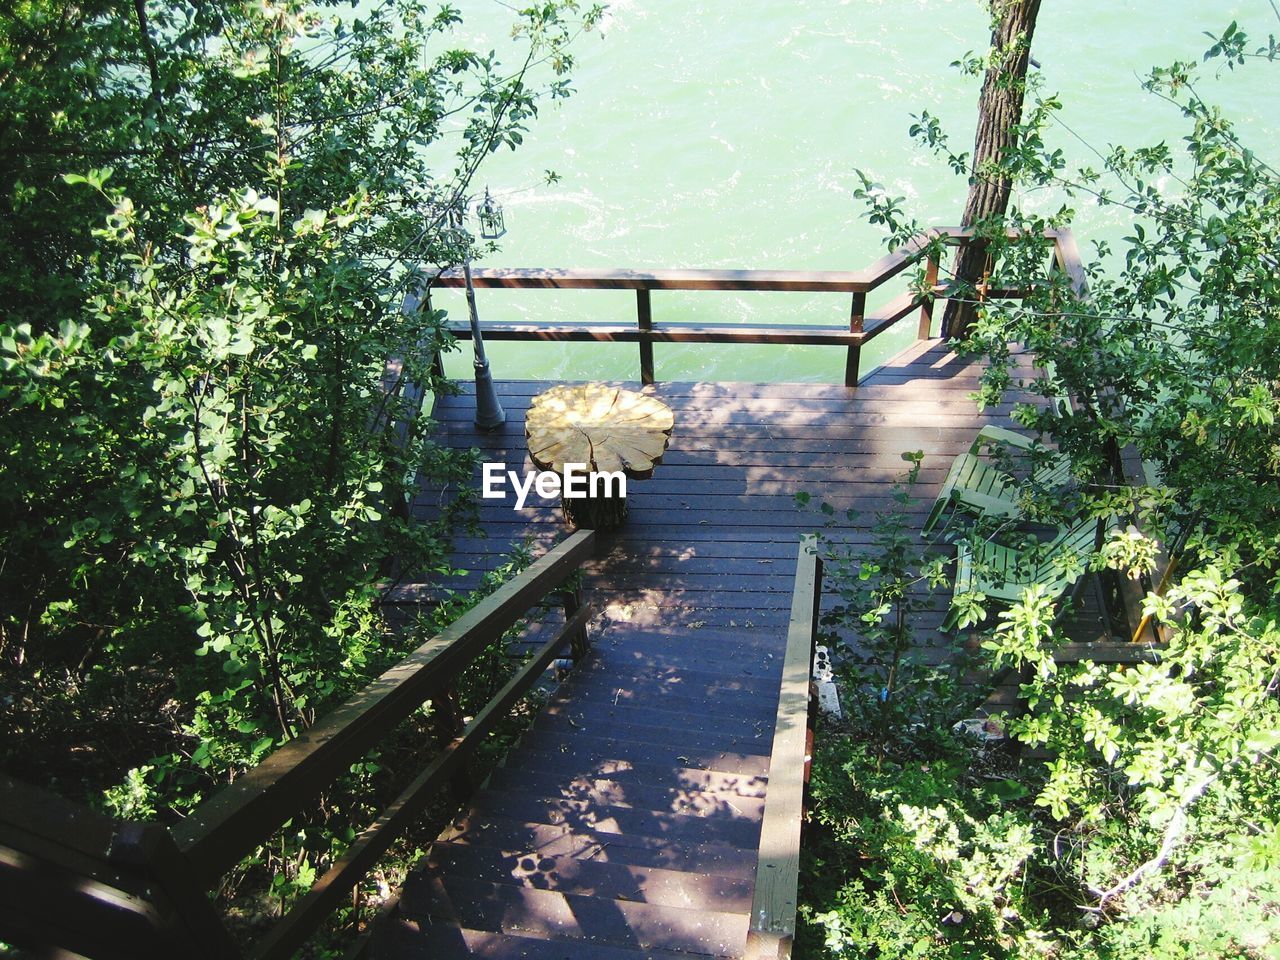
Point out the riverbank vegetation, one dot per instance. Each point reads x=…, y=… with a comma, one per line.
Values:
x=210, y=215
x=1131, y=811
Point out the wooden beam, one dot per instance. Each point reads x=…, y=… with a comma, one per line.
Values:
x=38, y=815
x=622, y=332
x=810, y=281
x=551, y=278
x=891, y=313
x=773, y=905
x=1067, y=253
x=74, y=879
x=892, y=264
x=58, y=911
x=187, y=921
x=853, y=359
x=644, y=320
x=925, y=328
x=287, y=936
x=858, y=283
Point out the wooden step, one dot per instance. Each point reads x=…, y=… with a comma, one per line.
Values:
x=636, y=658
x=563, y=721
x=556, y=840
x=641, y=776
x=700, y=740
x=615, y=881
x=633, y=794
x=623, y=655
x=632, y=771
x=628, y=609
x=590, y=754
x=594, y=697
x=734, y=720
x=731, y=634
x=732, y=683
x=403, y=938
x=728, y=822
x=478, y=905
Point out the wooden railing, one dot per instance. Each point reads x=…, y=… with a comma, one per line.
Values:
x=860, y=329
x=773, y=906
x=74, y=879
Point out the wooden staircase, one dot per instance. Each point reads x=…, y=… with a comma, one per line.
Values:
x=627, y=820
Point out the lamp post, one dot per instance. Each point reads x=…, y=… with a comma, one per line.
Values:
x=489, y=412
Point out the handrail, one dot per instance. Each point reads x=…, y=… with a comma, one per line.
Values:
x=70, y=877
x=773, y=904
x=224, y=828
x=860, y=328
x=809, y=281
x=526, y=278
x=110, y=888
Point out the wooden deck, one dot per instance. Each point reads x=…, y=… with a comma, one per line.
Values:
x=627, y=820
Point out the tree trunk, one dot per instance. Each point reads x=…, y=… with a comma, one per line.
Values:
x=999, y=113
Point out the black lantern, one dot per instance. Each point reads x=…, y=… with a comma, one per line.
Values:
x=492, y=224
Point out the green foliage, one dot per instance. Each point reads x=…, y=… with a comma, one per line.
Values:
x=868, y=622
x=911, y=850
x=1159, y=735
x=210, y=216
x=1174, y=350
x=931, y=859
x=1148, y=829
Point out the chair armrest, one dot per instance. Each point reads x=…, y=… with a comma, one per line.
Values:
x=987, y=504
x=992, y=434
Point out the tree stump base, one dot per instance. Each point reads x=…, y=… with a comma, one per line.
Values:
x=595, y=513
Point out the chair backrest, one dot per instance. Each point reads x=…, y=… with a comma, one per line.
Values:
x=1054, y=472
x=1078, y=540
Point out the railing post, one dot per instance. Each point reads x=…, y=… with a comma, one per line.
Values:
x=926, y=307
x=644, y=320
x=448, y=725
x=811, y=725
x=580, y=645
x=1067, y=254
x=187, y=922
x=853, y=359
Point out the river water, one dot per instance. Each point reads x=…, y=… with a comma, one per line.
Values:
x=705, y=133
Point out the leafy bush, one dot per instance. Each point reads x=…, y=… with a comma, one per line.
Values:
x=1145, y=824
x=915, y=854
x=1149, y=830
x=917, y=845
x=207, y=467
x=211, y=216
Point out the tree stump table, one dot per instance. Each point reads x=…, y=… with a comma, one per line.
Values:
x=603, y=430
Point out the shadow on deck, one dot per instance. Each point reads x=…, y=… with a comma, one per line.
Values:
x=628, y=818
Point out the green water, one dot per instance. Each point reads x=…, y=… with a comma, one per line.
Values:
x=716, y=134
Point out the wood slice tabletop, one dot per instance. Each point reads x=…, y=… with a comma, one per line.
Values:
x=605, y=428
